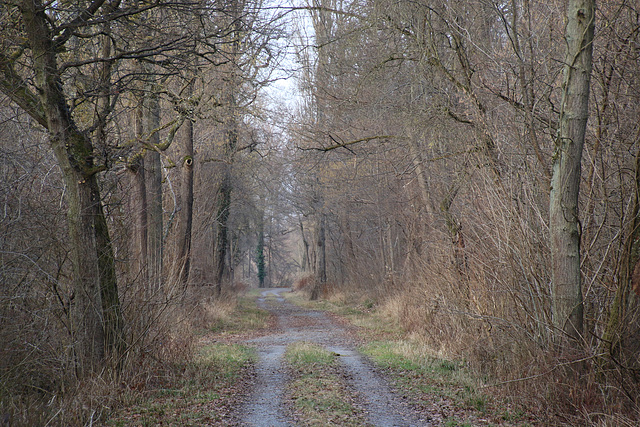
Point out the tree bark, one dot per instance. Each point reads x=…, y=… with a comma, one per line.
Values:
x=185, y=215
x=260, y=258
x=95, y=312
x=138, y=209
x=221, y=240
x=306, y=256
x=564, y=227
x=153, y=177
x=321, y=258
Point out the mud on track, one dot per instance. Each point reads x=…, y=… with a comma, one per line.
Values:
x=264, y=405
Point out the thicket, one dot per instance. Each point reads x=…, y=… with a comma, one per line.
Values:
x=434, y=125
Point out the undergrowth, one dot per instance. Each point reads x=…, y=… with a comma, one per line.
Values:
x=433, y=379
x=197, y=392
x=203, y=386
x=444, y=387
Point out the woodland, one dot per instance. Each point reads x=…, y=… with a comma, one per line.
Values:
x=470, y=167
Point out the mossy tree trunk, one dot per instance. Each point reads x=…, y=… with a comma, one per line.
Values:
x=96, y=322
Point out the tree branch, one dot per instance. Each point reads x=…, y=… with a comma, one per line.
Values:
x=14, y=86
x=346, y=144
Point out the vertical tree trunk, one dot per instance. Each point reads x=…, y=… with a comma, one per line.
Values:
x=260, y=262
x=95, y=312
x=221, y=239
x=153, y=176
x=231, y=86
x=306, y=256
x=138, y=209
x=351, y=261
x=185, y=215
x=321, y=258
x=567, y=306
x=112, y=314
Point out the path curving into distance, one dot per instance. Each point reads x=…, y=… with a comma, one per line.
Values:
x=264, y=406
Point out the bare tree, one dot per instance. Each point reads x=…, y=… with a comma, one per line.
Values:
x=564, y=224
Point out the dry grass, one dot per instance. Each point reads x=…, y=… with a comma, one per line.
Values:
x=37, y=388
x=494, y=318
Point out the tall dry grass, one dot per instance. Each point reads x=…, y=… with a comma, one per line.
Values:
x=494, y=309
x=38, y=388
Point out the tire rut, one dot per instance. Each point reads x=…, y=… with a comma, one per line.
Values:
x=265, y=405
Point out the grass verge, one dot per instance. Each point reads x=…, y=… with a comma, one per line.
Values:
x=444, y=388
x=361, y=314
x=246, y=317
x=195, y=393
x=199, y=387
x=317, y=390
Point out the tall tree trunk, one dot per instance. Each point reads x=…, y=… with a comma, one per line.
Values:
x=185, y=214
x=95, y=313
x=321, y=257
x=567, y=305
x=306, y=256
x=153, y=176
x=138, y=207
x=113, y=322
x=221, y=239
x=231, y=86
x=260, y=262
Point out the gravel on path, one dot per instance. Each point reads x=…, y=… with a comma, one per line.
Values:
x=265, y=405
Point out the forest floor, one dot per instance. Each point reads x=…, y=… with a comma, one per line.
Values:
x=283, y=361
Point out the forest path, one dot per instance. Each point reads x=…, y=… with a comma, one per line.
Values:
x=265, y=405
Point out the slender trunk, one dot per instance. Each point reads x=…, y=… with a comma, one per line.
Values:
x=306, y=257
x=260, y=263
x=112, y=314
x=351, y=262
x=321, y=258
x=138, y=209
x=564, y=228
x=153, y=176
x=220, y=234
x=231, y=86
x=221, y=239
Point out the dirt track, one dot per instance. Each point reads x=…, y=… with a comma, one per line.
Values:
x=265, y=405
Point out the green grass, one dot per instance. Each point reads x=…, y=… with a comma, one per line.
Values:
x=429, y=380
x=416, y=370
x=317, y=391
x=245, y=318
x=361, y=314
x=305, y=356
